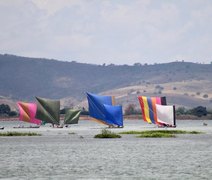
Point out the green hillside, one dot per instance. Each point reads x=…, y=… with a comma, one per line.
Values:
x=23, y=78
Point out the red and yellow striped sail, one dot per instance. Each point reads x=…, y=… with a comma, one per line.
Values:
x=148, y=107
x=155, y=111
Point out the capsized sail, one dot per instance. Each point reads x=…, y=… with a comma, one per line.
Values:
x=48, y=110
x=72, y=116
x=154, y=114
x=27, y=112
x=101, y=108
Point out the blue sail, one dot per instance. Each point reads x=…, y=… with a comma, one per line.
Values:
x=101, y=108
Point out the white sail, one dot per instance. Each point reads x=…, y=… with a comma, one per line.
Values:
x=165, y=114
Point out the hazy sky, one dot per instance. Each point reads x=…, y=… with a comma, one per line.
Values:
x=108, y=31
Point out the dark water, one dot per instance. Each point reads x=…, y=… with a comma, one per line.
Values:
x=59, y=155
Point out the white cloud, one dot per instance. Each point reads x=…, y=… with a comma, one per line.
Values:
x=74, y=43
x=53, y=6
x=121, y=32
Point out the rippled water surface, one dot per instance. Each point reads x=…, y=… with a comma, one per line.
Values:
x=60, y=154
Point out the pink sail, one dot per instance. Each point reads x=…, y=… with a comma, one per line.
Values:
x=27, y=112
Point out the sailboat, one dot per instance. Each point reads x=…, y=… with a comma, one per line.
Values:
x=156, y=111
x=48, y=110
x=72, y=116
x=27, y=113
x=102, y=109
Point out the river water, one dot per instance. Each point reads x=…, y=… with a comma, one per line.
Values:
x=73, y=153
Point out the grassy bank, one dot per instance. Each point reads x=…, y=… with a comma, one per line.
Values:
x=19, y=134
x=107, y=134
x=159, y=133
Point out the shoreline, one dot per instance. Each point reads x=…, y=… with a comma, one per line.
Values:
x=88, y=128
x=126, y=117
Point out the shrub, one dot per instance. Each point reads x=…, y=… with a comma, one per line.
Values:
x=199, y=111
x=13, y=113
x=159, y=133
x=107, y=134
x=4, y=109
x=205, y=96
x=71, y=133
x=131, y=109
x=14, y=133
x=198, y=93
x=155, y=135
x=181, y=110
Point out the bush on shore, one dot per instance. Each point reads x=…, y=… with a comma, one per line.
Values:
x=159, y=133
x=14, y=133
x=107, y=134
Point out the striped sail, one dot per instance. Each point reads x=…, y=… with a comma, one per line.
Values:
x=154, y=110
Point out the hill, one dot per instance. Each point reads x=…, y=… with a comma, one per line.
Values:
x=185, y=84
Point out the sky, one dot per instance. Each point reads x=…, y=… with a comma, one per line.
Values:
x=108, y=31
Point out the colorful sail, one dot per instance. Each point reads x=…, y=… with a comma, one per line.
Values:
x=166, y=115
x=102, y=109
x=153, y=113
x=72, y=116
x=27, y=112
x=48, y=110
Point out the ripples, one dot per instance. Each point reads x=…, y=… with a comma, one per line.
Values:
x=64, y=156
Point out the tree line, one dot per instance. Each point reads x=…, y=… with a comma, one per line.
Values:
x=131, y=109
x=198, y=111
x=5, y=110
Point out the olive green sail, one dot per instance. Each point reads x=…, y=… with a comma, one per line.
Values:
x=48, y=110
x=72, y=116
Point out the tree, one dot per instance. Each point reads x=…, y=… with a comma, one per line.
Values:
x=137, y=64
x=13, y=113
x=84, y=111
x=63, y=111
x=205, y=96
x=181, y=111
x=199, y=111
x=4, y=109
x=198, y=93
x=130, y=109
x=158, y=89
